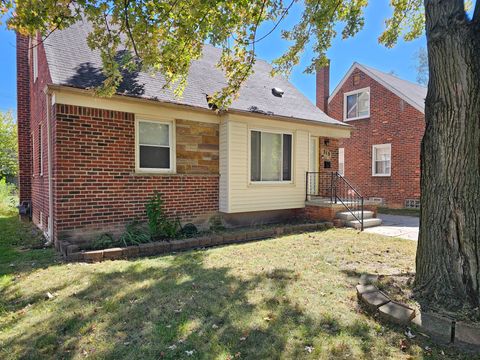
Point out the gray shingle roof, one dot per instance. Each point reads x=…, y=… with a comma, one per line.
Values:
x=414, y=92
x=72, y=63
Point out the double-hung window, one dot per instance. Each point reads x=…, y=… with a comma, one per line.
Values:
x=381, y=160
x=40, y=149
x=270, y=156
x=357, y=104
x=154, y=146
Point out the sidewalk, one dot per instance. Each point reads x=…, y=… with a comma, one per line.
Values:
x=405, y=227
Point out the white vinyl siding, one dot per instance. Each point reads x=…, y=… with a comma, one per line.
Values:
x=154, y=146
x=381, y=160
x=356, y=104
x=223, y=164
x=243, y=195
x=341, y=161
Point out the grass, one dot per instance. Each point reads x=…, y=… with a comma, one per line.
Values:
x=404, y=211
x=285, y=298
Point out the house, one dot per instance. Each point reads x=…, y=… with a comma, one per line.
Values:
x=88, y=165
x=382, y=157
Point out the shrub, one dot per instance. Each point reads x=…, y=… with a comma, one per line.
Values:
x=216, y=223
x=105, y=241
x=8, y=197
x=159, y=225
x=135, y=234
x=189, y=230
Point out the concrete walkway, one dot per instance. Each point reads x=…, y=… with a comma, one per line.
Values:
x=405, y=227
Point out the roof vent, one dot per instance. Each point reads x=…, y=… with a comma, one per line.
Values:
x=277, y=92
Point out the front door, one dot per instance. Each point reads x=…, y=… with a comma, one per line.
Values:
x=313, y=175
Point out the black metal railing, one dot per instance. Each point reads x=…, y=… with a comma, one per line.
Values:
x=333, y=187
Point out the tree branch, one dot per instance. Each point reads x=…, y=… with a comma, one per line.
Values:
x=127, y=25
x=285, y=12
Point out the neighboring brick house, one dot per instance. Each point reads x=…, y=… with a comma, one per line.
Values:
x=88, y=165
x=382, y=156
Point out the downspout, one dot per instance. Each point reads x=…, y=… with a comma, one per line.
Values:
x=50, y=170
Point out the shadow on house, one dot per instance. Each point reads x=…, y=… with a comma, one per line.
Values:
x=89, y=76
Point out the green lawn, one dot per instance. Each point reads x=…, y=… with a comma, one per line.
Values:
x=285, y=298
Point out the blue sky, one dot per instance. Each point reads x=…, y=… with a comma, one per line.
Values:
x=363, y=48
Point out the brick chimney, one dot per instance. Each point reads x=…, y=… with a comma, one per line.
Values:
x=23, y=119
x=323, y=87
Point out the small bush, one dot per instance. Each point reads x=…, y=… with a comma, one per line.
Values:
x=159, y=225
x=135, y=234
x=216, y=223
x=8, y=197
x=189, y=230
x=105, y=241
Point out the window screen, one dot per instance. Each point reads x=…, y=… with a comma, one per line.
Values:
x=271, y=156
x=154, y=145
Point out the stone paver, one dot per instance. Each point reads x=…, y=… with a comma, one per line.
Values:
x=467, y=334
x=435, y=326
x=397, y=313
x=373, y=300
x=405, y=227
x=112, y=253
x=363, y=289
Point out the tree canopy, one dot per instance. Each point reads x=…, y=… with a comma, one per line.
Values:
x=165, y=36
x=8, y=145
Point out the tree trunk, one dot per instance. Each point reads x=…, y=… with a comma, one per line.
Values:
x=448, y=253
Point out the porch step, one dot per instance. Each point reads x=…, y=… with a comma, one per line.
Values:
x=347, y=216
x=366, y=223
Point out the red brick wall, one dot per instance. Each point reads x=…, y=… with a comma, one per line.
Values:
x=31, y=115
x=23, y=119
x=38, y=106
x=97, y=189
x=392, y=120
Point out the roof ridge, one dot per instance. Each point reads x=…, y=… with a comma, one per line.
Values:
x=388, y=74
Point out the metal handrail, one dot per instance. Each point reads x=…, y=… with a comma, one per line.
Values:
x=334, y=196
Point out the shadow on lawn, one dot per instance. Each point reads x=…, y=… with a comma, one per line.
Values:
x=21, y=247
x=154, y=312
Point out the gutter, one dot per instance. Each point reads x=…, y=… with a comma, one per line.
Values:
x=342, y=126
x=49, y=234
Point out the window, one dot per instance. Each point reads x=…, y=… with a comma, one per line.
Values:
x=35, y=58
x=341, y=161
x=381, y=160
x=40, y=152
x=32, y=158
x=271, y=156
x=154, y=146
x=412, y=204
x=357, y=104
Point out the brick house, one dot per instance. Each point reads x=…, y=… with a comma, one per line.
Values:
x=88, y=165
x=382, y=157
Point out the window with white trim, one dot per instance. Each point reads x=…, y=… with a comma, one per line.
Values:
x=33, y=152
x=154, y=146
x=270, y=156
x=40, y=150
x=341, y=161
x=381, y=160
x=357, y=104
